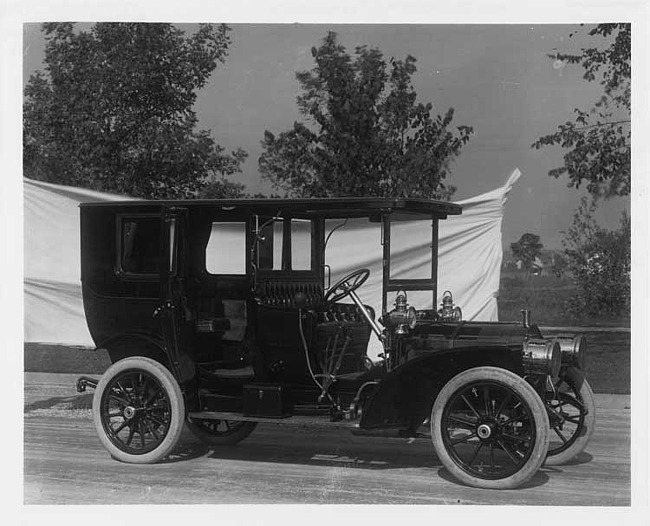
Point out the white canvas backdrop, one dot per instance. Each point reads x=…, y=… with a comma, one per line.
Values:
x=470, y=255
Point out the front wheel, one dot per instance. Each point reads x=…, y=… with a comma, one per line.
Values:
x=490, y=428
x=572, y=416
x=220, y=432
x=138, y=410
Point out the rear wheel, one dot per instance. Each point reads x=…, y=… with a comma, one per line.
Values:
x=489, y=428
x=572, y=416
x=138, y=410
x=220, y=432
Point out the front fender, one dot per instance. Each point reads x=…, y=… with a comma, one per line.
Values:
x=406, y=395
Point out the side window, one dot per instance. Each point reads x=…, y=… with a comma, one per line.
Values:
x=226, y=250
x=140, y=245
x=271, y=244
x=301, y=244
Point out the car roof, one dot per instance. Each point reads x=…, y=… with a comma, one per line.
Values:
x=329, y=207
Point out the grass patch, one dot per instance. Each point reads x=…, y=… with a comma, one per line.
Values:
x=609, y=362
x=545, y=297
x=51, y=358
x=608, y=368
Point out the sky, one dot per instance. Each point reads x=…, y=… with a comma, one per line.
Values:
x=497, y=77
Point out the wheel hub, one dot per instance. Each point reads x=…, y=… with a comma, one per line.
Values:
x=129, y=412
x=484, y=431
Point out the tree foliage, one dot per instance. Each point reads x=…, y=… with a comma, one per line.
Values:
x=599, y=260
x=527, y=249
x=366, y=135
x=113, y=111
x=598, y=140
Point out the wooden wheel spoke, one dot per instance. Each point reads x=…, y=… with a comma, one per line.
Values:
x=130, y=437
x=471, y=407
x=122, y=426
x=119, y=399
x=462, y=421
x=152, y=430
x=462, y=439
x=559, y=433
x=124, y=392
x=479, y=446
x=519, y=438
x=141, y=431
x=507, y=451
x=486, y=399
x=503, y=404
x=157, y=421
x=517, y=418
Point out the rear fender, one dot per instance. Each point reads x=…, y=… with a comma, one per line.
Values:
x=125, y=345
x=406, y=395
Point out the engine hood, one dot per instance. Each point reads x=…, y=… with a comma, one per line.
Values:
x=469, y=333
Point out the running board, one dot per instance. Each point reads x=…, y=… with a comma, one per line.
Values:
x=296, y=420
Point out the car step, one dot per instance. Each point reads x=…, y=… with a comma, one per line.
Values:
x=296, y=420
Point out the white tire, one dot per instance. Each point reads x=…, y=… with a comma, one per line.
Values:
x=138, y=410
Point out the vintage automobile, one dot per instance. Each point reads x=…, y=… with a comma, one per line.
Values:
x=218, y=315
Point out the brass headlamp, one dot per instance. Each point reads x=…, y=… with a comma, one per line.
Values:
x=402, y=317
x=447, y=311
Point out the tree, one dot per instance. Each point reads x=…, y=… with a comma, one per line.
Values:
x=599, y=140
x=599, y=260
x=527, y=249
x=113, y=111
x=365, y=134
x=558, y=265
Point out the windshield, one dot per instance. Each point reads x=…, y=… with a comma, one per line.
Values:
x=353, y=244
x=408, y=252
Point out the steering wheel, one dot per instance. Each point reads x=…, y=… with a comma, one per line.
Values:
x=348, y=284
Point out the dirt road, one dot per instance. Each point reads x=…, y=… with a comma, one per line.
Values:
x=65, y=464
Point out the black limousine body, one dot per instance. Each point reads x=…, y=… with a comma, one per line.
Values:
x=220, y=314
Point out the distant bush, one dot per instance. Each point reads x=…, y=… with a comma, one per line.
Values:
x=599, y=261
x=544, y=296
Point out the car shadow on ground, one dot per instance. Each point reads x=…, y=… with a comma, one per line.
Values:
x=329, y=447
x=539, y=479
x=582, y=458
x=332, y=456
x=343, y=450
x=378, y=454
x=186, y=451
